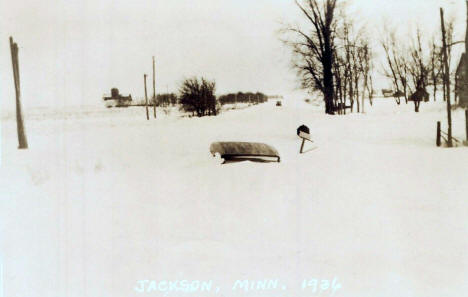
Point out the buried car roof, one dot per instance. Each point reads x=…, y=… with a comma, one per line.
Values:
x=233, y=149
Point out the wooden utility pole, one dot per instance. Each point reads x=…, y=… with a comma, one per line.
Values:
x=146, y=100
x=23, y=143
x=464, y=85
x=154, y=89
x=446, y=79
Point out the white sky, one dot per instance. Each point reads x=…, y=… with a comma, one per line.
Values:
x=71, y=52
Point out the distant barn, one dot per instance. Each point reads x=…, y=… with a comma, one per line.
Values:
x=117, y=100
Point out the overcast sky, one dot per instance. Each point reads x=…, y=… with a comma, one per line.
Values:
x=71, y=52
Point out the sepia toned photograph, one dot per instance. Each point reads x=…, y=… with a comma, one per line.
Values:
x=222, y=148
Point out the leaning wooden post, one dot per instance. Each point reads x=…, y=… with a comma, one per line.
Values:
x=146, y=100
x=438, y=134
x=446, y=80
x=23, y=143
x=154, y=90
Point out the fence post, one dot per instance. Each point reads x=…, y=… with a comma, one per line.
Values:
x=23, y=143
x=146, y=99
x=438, y=134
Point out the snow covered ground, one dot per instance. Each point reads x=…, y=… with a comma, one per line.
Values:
x=104, y=199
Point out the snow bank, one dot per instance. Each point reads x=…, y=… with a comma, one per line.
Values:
x=104, y=198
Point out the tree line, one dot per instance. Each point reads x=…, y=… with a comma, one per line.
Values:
x=417, y=65
x=240, y=97
x=197, y=96
x=332, y=55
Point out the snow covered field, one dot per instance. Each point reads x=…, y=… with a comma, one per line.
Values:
x=104, y=199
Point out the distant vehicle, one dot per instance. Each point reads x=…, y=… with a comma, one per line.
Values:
x=117, y=100
x=278, y=103
x=387, y=93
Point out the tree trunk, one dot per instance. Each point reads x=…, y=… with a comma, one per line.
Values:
x=364, y=92
x=146, y=99
x=328, y=85
x=405, y=92
x=327, y=64
x=356, y=86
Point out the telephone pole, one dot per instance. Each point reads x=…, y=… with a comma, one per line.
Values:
x=446, y=79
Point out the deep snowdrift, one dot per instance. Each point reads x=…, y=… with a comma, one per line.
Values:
x=104, y=199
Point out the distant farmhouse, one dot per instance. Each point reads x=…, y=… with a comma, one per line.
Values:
x=117, y=100
x=460, y=82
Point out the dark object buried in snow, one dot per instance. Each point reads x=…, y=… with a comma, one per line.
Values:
x=244, y=151
x=278, y=103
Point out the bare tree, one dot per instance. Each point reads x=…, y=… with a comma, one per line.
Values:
x=419, y=70
x=418, y=67
x=450, y=35
x=401, y=68
x=197, y=96
x=391, y=69
x=338, y=71
x=435, y=66
x=314, y=48
x=349, y=57
x=365, y=57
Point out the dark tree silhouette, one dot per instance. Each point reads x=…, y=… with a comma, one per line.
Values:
x=197, y=96
x=314, y=48
x=240, y=97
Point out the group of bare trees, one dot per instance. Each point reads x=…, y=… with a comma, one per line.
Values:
x=166, y=99
x=331, y=56
x=416, y=64
x=353, y=67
